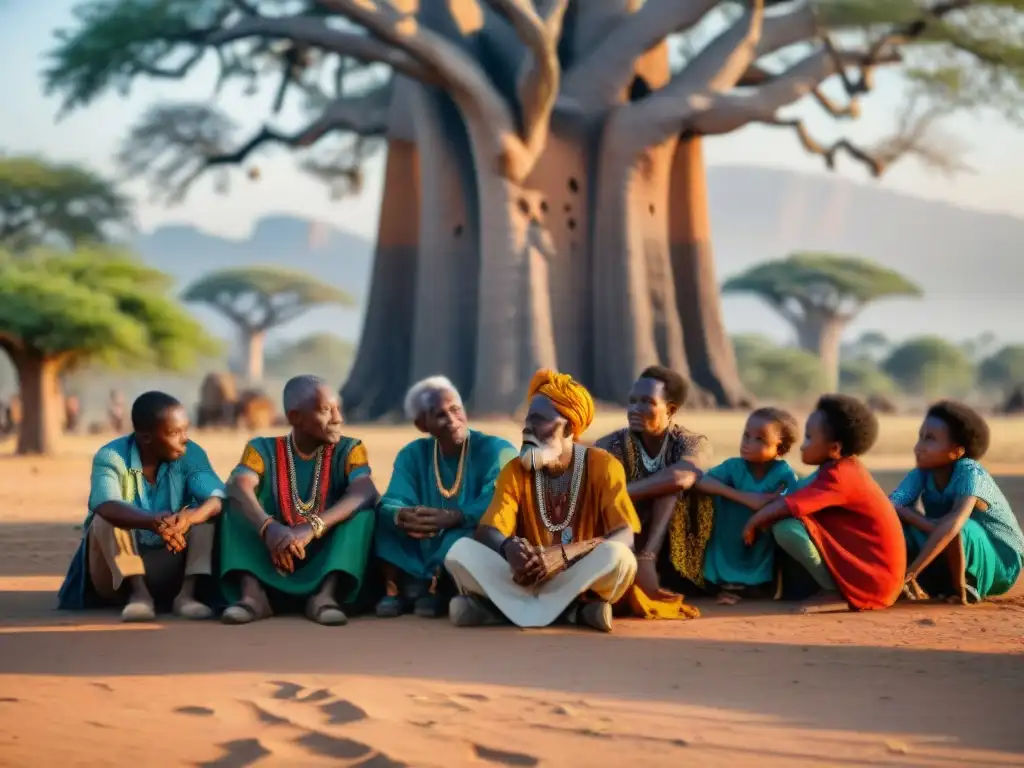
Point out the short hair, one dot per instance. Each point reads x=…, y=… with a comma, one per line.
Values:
x=789, y=428
x=676, y=387
x=149, y=408
x=299, y=390
x=966, y=426
x=850, y=423
x=417, y=399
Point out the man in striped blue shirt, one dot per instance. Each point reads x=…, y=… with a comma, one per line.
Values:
x=148, y=534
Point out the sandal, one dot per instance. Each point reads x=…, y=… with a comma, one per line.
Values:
x=327, y=615
x=390, y=607
x=241, y=613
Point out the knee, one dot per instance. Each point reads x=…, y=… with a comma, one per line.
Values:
x=458, y=551
x=618, y=556
x=788, y=532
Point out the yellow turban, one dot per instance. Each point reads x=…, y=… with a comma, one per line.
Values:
x=570, y=398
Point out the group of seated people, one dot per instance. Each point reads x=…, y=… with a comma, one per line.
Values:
x=555, y=531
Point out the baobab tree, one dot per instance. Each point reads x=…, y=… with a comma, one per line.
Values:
x=545, y=198
x=819, y=295
x=258, y=299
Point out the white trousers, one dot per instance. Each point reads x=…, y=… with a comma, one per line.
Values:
x=608, y=571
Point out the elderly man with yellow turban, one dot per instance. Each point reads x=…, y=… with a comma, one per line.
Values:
x=557, y=539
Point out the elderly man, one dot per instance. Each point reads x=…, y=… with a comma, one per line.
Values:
x=557, y=539
x=440, y=487
x=300, y=522
x=147, y=534
x=660, y=462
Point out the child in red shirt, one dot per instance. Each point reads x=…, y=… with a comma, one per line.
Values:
x=840, y=525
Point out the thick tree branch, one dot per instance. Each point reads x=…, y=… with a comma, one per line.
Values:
x=714, y=70
x=313, y=31
x=600, y=78
x=540, y=73
x=461, y=74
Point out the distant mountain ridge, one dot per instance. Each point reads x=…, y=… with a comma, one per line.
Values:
x=967, y=261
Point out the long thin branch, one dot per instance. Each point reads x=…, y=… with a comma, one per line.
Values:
x=599, y=78
x=875, y=164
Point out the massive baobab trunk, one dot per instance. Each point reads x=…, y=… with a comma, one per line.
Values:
x=708, y=347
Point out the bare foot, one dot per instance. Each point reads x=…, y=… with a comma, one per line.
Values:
x=824, y=603
x=912, y=591
x=728, y=598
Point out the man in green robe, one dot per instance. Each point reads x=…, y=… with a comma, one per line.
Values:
x=299, y=524
x=440, y=487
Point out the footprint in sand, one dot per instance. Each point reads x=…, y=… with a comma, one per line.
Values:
x=9, y=700
x=238, y=754
x=102, y=687
x=311, y=740
x=194, y=711
x=503, y=758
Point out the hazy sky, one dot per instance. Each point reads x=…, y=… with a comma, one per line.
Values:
x=91, y=136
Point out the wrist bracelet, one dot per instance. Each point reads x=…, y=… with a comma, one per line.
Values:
x=565, y=557
x=646, y=556
x=317, y=524
x=266, y=524
x=504, y=545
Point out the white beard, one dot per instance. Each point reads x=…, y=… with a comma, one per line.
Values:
x=535, y=458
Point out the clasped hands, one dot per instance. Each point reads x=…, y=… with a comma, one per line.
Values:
x=532, y=565
x=286, y=544
x=173, y=527
x=758, y=501
x=427, y=522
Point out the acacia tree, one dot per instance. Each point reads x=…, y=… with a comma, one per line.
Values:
x=42, y=202
x=257, y=299
x=819, y=295
x=545, y=198
x=931, y=366
x=60, y=310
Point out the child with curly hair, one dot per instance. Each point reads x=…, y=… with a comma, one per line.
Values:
x=964, y=516
x=839, y=525
x=741, y=486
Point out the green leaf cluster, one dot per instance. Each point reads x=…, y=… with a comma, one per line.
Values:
x=772, y=372
x=931, y=366
x=96, y=304
x=821, y=280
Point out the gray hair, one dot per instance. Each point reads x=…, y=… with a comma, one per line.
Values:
x=417, y=399
x=300, y=390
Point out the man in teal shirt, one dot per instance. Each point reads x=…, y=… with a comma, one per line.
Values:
x=148, y=533
x=440, y=487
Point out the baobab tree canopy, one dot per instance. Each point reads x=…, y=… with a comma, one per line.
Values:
x=257, y=299
x=59, y=310
x=56, y=204
x=819, y=294
x=545, y=200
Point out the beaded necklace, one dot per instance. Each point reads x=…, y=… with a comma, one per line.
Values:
x=543, y=485
x=295, y=510
x=655, y=464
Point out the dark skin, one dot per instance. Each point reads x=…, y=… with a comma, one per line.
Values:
x=165, y=443
x=936, y=453
x=759, y=447
x=649, y=415
x=318, y=423
x=531, y=565
x=445, y=420
x=818, y=448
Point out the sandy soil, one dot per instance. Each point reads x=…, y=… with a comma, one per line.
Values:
x=750, y=685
